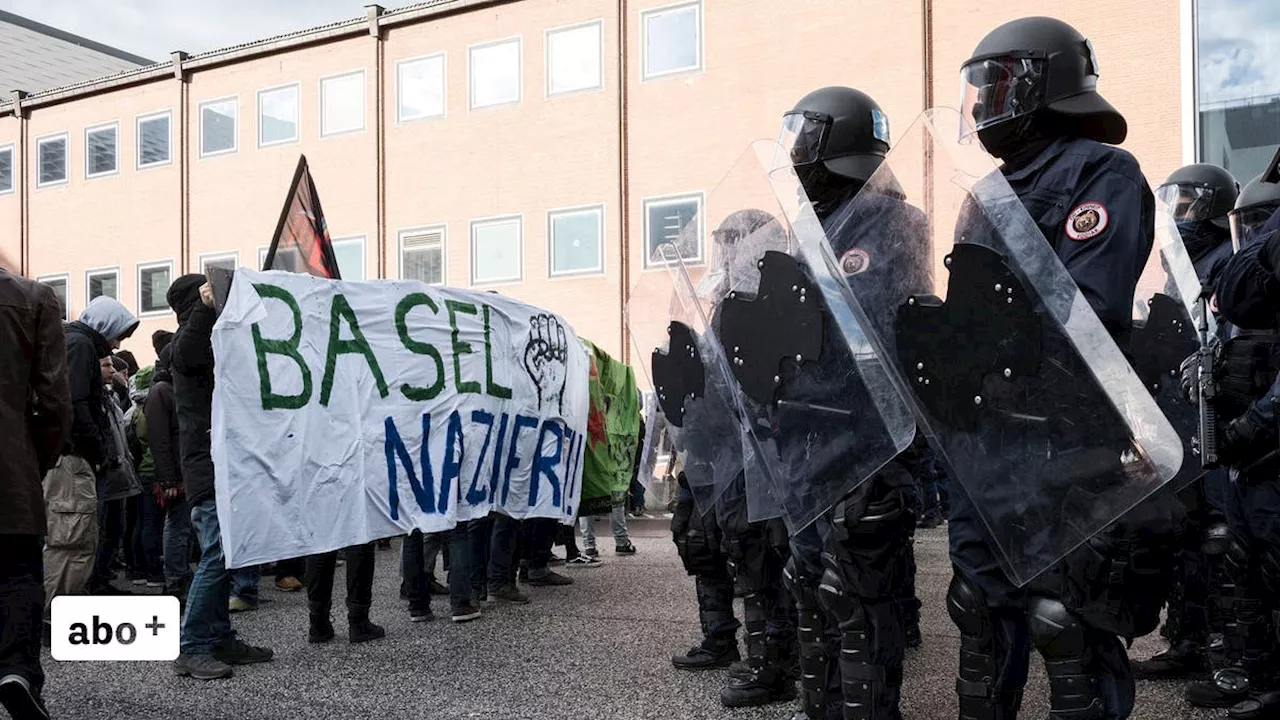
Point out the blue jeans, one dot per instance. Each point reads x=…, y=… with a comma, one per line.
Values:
x=207, y=621
x=244, y=584
x=177, y=547
x=618, y=522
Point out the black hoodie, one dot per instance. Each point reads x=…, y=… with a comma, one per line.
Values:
x=192, y=356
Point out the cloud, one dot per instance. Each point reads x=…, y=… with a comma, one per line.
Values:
x=155, y=28
x=1239, y=49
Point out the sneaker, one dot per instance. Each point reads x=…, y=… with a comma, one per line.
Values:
x=627, y=549
x=201, y=667
x=466, y=613
x=361, y=630
x=704, y=657
x=551, y=578
x=583, y=561
x=320, y=630
x=508, y=593
x=240, y=605
x=155, y=581
x=591, y=552
x=421, y=616
x=21, y=700
x=137, y=577
x=1185, y=660
x=288, y=584
x=238, y=652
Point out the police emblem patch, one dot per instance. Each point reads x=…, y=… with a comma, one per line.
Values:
x=1086, y=221
x=854, y=261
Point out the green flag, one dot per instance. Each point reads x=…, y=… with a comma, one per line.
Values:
x=613, y=434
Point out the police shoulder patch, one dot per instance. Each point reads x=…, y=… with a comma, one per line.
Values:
x=854, y=261
x=1087, y=221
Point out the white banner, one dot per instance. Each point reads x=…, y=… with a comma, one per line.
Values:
x=344, y=412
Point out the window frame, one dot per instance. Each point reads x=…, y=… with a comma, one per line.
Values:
x=364, y=102
x=137, y=139
x=12, y=149
x=262, y=256
x=471, y=76
x=364, y=257
x=235, y=134
x=422, y=230
x=167, y=263
x=65, y=277
x=98, y=271
x=111, y=125
x=297, y=105
x=215, y=256
x=444, y=82
x=646, y=203
x=599, y=209
x=546, y=62
x=647, y=13
x=473, y=225
x=66, y=159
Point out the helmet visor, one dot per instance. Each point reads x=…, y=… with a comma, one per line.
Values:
x=1188, y=203
x=998, y=89
x=1246, y=221
x=802, y=138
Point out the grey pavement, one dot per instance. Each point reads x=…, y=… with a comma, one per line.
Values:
x=598, y=649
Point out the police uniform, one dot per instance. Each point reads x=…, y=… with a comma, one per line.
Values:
x=698, y=542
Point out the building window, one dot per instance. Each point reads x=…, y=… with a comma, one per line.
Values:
x=223, y=261
x=422, y=255
x=1238, y=84
x=496, y=250
x=495, y=73
x=420, y=88
x=262, y=256
x=342, y=103
x=576, y=240
x=153, y=285
x=672, y=39
x=59, y=285
x=52, y=154
x=672, y=221
x=278, y=115
x=218, y=126
x=102, y=283
x=574, y=58
x=350, y=255
x=154, y=140
x=6, y=169
x=100, y=150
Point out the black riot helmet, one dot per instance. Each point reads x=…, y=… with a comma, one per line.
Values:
x=1036, y=66
x=1200, y=192
x=836, y=138
x=1258, y=201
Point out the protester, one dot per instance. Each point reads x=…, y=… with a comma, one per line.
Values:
x=147, y=531
x=320, y=572
x=35, y=416
x=618, y=522
x=162, y=436
x=209, y=646
x=119, y=488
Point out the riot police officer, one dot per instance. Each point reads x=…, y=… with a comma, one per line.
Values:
x=1200, y=197
x=1031, y=97
x=852, y=571
x=1249, y=549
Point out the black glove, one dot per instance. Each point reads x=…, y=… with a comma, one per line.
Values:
x=1190, y=370
x=1244, y=441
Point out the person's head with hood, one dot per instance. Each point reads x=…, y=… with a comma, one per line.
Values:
x=160, y=339
x=164, y=364
x=184, y=295
x=141, y=382
x=109, y=318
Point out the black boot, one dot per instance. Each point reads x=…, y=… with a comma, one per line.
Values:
x=361, y=630
x=1185, y=660
x=1265, y=706
x=1227, y=687
x=768, y=682
x=707, y=655
x=321, y=629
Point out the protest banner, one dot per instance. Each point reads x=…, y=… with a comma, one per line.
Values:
x=344, y=412
x=613, y=430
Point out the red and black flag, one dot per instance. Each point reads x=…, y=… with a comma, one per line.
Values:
x=301, y=243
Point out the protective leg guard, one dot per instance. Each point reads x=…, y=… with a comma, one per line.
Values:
x=815, y=651
x=980, y=698
x=1060, y=638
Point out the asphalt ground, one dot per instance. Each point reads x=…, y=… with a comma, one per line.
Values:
x=597, y=649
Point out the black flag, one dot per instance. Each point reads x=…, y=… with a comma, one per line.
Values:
x=301, y=243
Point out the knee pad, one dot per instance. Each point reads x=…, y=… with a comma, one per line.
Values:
x=1055, y=631
x=967, y=606
x=840, y=605
x=1062, y=641
x=803, y=587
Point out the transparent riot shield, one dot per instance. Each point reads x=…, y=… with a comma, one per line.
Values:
x=1165, y=307
x=818, y=417
x=1034, y=408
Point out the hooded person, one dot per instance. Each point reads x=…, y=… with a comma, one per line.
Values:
x=162, y=439
x=71, y=488
x=209, y=646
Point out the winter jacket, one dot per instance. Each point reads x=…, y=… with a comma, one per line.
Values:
x=87, y=343
x=136, y=422
x=162, y=427
x=35, y=403
x=192, y=350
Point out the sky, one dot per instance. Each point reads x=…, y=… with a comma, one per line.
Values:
x=1239, y=49
x=155, y=28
